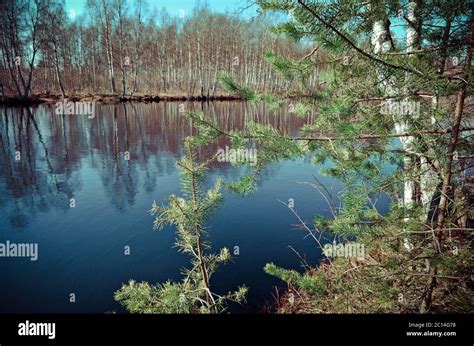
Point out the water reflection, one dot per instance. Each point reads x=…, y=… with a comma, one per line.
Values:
x=46, y=157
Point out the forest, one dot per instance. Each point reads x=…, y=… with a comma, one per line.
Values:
x=123, y=48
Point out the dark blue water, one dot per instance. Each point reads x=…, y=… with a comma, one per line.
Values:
x=81, y=249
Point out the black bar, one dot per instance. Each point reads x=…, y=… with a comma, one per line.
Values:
x=242, y=329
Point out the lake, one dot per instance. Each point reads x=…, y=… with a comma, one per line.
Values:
x=81, y=249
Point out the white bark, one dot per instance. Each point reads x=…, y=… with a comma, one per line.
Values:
x=428, y=178
x=402, y=124
x=381, y=44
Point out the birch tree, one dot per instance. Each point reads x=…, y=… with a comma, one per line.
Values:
x=388, y=98
x=104, y=14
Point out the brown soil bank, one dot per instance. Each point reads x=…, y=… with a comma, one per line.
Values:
x=110, y=98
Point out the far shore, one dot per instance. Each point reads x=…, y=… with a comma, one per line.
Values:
x=114, y=98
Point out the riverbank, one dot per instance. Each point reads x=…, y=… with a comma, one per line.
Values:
x=114, y=98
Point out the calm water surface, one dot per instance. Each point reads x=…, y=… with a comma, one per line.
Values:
x=81, y=249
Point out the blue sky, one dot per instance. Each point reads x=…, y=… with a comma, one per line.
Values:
x=173, y=6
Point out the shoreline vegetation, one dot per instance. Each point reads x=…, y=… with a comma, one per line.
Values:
x=116, y=49
x=106, y=98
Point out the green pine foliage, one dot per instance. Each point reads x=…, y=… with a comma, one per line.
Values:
x=416, y=256
x=188, y=214
x=414, y=260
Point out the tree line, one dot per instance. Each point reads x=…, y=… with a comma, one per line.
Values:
x=123, y=47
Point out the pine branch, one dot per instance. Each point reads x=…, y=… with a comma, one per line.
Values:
x=394, y=135
x=367, y=55
x=353, y=45
x=330, y=138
